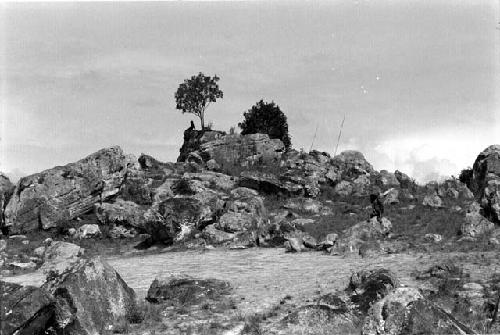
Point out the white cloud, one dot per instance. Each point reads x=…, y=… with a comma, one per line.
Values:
x=432, y=155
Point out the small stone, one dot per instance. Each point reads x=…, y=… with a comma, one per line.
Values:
x=493, y=241
x=71, y=231
x=436, y=238
x=472, y=287
x=88, y=231
x=3, y=245
x=23, y=266
x=48, y=241
x=26, y=242
x=39, y=251
x=17, y=237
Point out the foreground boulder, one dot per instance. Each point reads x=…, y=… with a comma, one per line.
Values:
x=91, y=297
x=46, y=199
x=361, y=234
x=486, y=182
x=25, y=310
x=475, y=224
x=186, y=290
x=406, y=311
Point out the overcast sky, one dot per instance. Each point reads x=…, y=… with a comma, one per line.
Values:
x=418, y=81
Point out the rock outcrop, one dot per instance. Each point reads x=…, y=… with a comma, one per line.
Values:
x=25, y=310
x=486, y=182
x=230, y=151
x=186, y=290
x=91, y=297
x=44, y=200
x=406, y=311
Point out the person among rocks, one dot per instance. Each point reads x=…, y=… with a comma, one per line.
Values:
x=192, y=127
x=377, y=205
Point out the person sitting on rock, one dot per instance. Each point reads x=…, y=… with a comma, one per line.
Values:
x=377, y=205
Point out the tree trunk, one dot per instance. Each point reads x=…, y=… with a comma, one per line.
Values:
x=202, y=120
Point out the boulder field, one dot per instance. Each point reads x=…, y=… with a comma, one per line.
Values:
x=216, y=192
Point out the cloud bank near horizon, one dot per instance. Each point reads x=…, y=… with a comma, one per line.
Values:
x=418, y=83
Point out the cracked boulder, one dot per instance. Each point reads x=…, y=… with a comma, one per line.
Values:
x=47, y=199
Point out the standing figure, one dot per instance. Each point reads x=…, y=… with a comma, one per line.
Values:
x=377, y=205
x=192, y=127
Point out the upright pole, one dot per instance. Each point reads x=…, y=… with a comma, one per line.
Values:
x=338, y=138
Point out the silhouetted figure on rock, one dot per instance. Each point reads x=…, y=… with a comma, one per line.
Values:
x=192, y=127
x=377, y=205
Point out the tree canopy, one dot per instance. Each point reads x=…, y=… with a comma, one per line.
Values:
x=266, y=118
x=194, y=95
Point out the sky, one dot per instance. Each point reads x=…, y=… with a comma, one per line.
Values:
x=417, y=81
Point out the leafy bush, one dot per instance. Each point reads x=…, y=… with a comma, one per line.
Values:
x=466, y=176
x=266, y=118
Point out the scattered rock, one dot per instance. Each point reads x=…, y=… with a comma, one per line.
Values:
x=391, y=197
x=3, y=245
x=293, y=244
x=433, y=201
x=436, y=238
x=88, y=231
x=405, y=182
x=23, y=265
x=40, y=251
x=344, y=188
x=118, y=232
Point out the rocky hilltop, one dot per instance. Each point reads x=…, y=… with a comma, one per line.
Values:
x=233, y=191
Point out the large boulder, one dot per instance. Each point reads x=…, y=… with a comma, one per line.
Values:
x=166, y=220
x=120, y=212
x=475, y=224
x=25, y=310
x=351, y=164
x=46, y=199
x=406, y=311
x=269, y=183
x=186, y=290
x=6, y=190
x=360, y=234
x=59, y=256
x=486, y=182
x=91, y=297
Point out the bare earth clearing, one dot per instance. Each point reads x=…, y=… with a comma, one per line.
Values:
x=261, y=277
